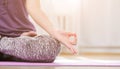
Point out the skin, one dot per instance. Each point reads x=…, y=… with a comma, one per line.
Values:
x=42, y=20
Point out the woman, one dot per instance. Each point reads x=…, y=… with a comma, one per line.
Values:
x=19, y=40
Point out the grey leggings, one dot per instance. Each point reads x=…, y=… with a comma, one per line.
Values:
x=31, y=49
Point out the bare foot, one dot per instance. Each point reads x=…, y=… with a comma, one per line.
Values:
x=30, y=33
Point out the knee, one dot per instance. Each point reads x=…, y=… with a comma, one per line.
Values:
x=49, y=41
x=51, y=44
x=51, y=47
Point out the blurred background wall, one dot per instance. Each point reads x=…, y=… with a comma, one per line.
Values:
x=96, y=22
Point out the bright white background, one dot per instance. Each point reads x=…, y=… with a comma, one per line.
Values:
x=96, y=22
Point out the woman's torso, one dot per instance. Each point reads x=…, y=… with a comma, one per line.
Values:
x=14, y=18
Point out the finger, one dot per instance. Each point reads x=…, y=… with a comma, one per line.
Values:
x=71, y=34
x=72, y=49
x=73, y=40
x=32, y=34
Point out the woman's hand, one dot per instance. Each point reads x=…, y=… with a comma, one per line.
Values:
x=30, y=33
x=64, y=38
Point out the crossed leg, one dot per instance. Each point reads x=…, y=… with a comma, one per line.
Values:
x=31, y=49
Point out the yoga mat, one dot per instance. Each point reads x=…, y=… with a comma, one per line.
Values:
x=60, y=61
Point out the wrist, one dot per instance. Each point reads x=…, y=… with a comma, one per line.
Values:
x=55, y=33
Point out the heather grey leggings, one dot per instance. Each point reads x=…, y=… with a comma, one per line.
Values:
x=32, y=49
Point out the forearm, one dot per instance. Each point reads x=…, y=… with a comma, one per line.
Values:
x=40, y=18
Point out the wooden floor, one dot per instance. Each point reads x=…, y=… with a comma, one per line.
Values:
x=104, y=56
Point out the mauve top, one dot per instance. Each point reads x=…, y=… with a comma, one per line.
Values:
x=14, y=18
